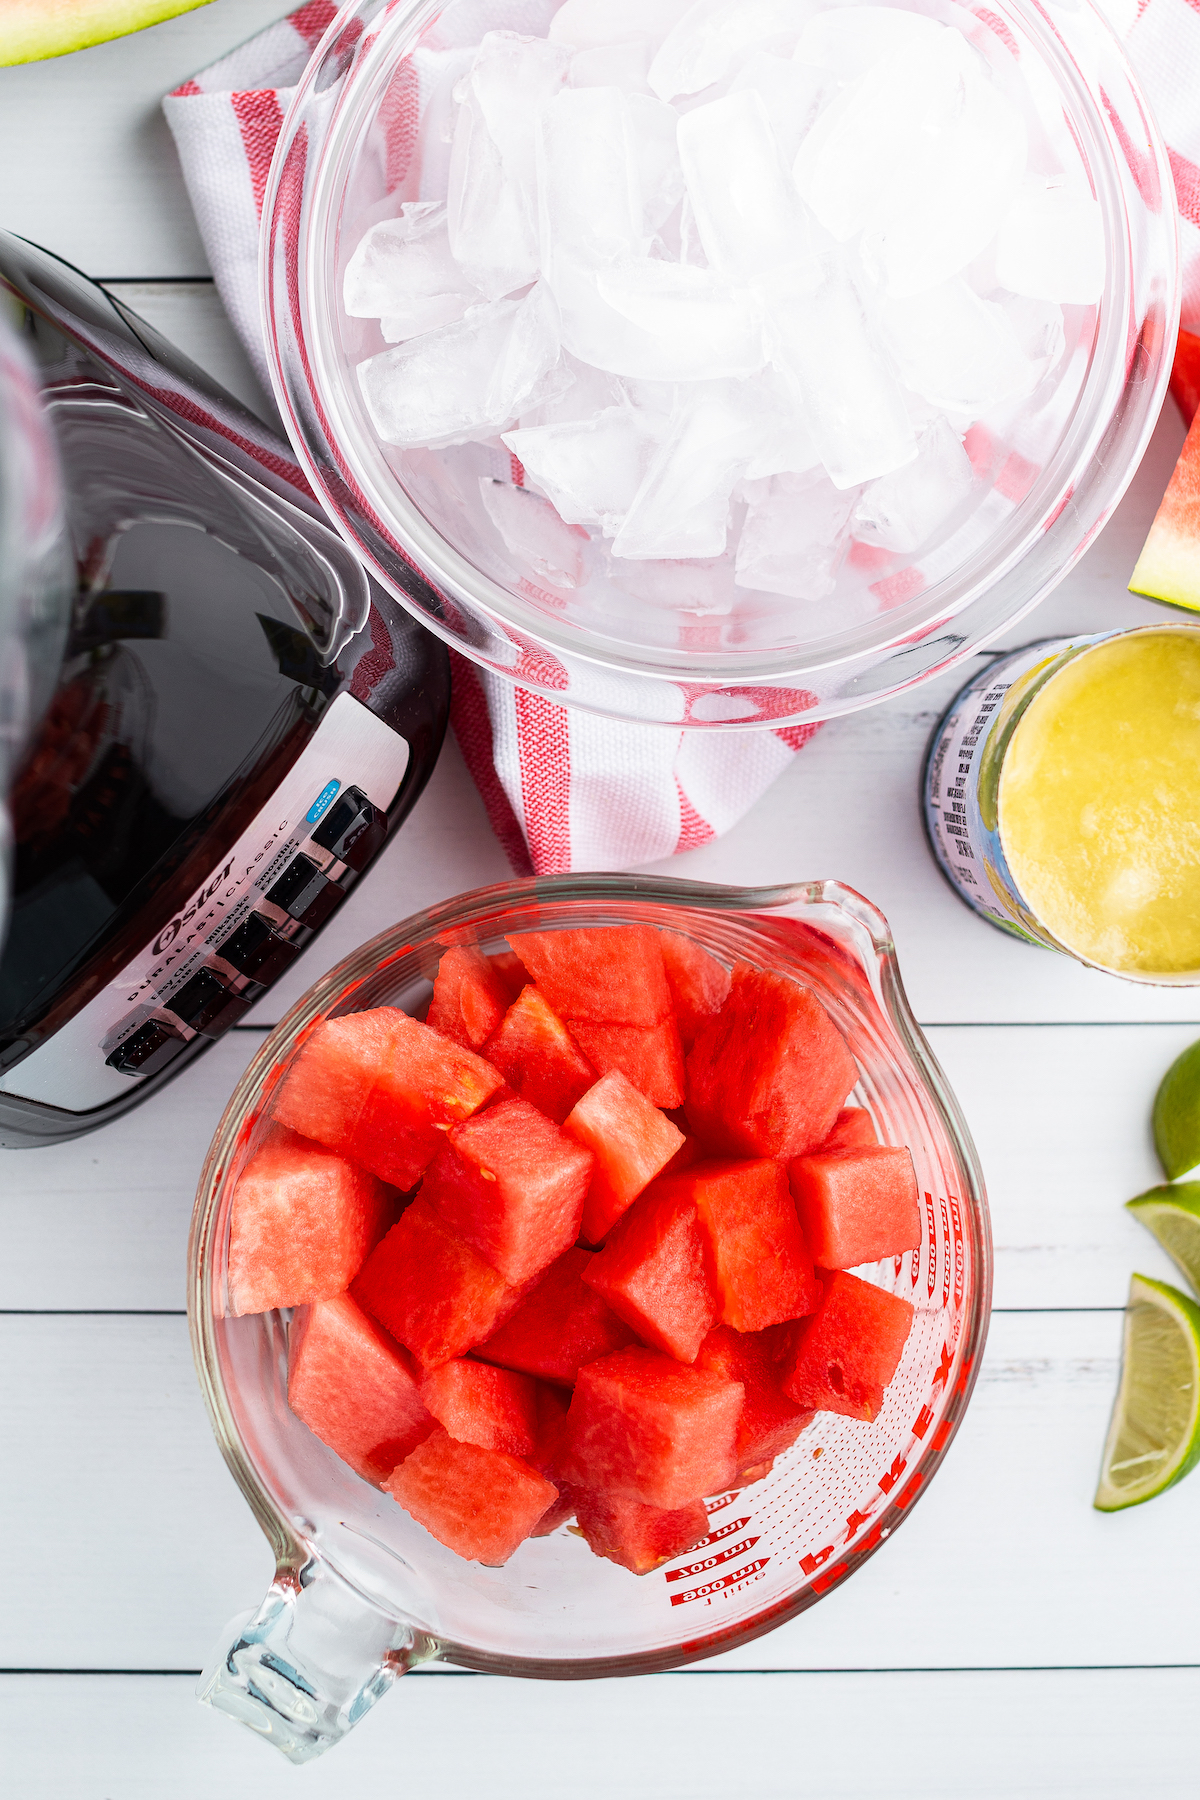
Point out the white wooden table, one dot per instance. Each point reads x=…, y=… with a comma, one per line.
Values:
x=1009, y=1642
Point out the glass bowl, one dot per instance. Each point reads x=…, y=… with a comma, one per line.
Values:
x=347, y=156
x=362, y=1592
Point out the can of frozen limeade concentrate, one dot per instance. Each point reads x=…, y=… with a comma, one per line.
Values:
x=1061, y=795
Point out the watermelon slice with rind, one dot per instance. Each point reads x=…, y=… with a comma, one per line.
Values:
x=857, y=1206
x=642, y=1424
x=482, y=1504
x=632, y=1142
x=355, y=1387
x=848, y=1352
x=1169, y=565
x=433, y=1292
x=301, y=1224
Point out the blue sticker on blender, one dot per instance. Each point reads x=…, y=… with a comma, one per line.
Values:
x=322, y=803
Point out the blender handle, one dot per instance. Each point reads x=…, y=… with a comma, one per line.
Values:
x=304, y=1668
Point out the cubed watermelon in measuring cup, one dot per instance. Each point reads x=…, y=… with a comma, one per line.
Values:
x=478, y=1404
x=655, y=1272
x=301, y=1223
x=538, y=1057
x=480, y=1503
x=768, y=1075
x=853, y=1128
x=770, y=1420
x=355, y=1387
x=432, y=1291
x=560, y=1324
x=513, y=1186
x=607, y=975
x=698, y=982
x=469, y=997
x=637, y=1536
x=632, y=1142
x=643, y=1424
x=649, y=1056
x=858, y=1205
x=849, y=1350
x=762, y=1268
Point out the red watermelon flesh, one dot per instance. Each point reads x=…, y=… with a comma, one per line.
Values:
x=433, y=1292
x=469, y=997
x=608, y=975
x=560, y=1324
x=762, y=1267
x=1185, y=375
x=477, y=1404
x=380, y=1088
x=698, y=982
x=852, y=1129
x=631, y=1141
x=767, y=1076
x=480, y=1503
x=355, y=1387
x=857, y=1206
x=513, y=1187
x=551, y=1405
x=511, y=970
x=538, y=1057
x=849, y=1350
x=557, y=1513
x=637, y=1536
x=655, y=1273
x=650, y=1057
x=301, y=1224
x=642, y=1424
x=770, y=1422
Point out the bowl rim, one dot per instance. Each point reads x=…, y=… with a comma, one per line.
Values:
x=877, y=959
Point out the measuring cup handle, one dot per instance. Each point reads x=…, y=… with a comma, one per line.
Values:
x=304, y=1668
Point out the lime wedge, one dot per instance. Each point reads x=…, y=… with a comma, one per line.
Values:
x=1177, y=1115
x=1154, y=1437
x=1173, y=1215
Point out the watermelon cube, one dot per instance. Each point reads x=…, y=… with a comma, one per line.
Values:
x=433, y=1292
x=637, y=1536
x=478, y=1404
x=857, y=1205
x=538, y=1057
x=650, y=1057
x=849, y=1350
x=560, y=1324
x=768, y=1075
x=609, y=975
x=513, y=1186
x=631, y=1141
x=655, y=1273
x=551, y=1406
x=852, y=1128
x=511, y=971
x=380, y=1088
x=642, y=1424
x=301, y=1224
x=557, y=1513
x=770, y=1421
x=763, y=1271
x=355, y=1387
x=480, y=1503
x=469, y=997
x=698, y=982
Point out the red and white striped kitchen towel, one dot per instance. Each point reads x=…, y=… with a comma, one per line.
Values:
x=565, y=789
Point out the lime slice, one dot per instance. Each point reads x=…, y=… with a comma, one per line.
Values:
x=1173, y=1215
x=1154, y=1438
x=1177, y=1115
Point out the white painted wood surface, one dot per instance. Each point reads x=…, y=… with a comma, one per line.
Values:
x=1009, y=1641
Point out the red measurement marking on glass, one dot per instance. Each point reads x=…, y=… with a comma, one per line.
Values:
x=719, y=1501
x=956, y=1227
x=711, y=1562
x=810, y=1564
x=722, y=1531
x=946, y=1255
x=725, y=1581
x=931, y=1277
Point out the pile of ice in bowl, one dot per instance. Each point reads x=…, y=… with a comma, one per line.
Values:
x=741, y=285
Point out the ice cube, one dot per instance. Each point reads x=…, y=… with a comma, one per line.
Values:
x=696, y=327
x=851, y=400
x=588, y=24
x=681, y=508
x=699, y=585
x=588, y=174
x=467, y=380
x=903, y=510
x=438, y=74
x=849, y=40
x=1051, y=244
x=591, y=469
x=512, y=78
x=660, y=172
x=583, y=393
x=748, y=212
x=957, y=351
x=783, y=442
x=1038, y=326
x=623, y=66
x=793, y=93
x=533, y=531
x=403, y=273
x=700, y=48
x=793, y=537
x=923, y=155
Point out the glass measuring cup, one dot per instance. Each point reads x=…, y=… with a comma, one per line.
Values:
x=362, y=1593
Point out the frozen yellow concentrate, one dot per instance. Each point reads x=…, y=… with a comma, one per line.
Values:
x=1099, y=803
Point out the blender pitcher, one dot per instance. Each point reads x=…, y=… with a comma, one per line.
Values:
x=363, y=1593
